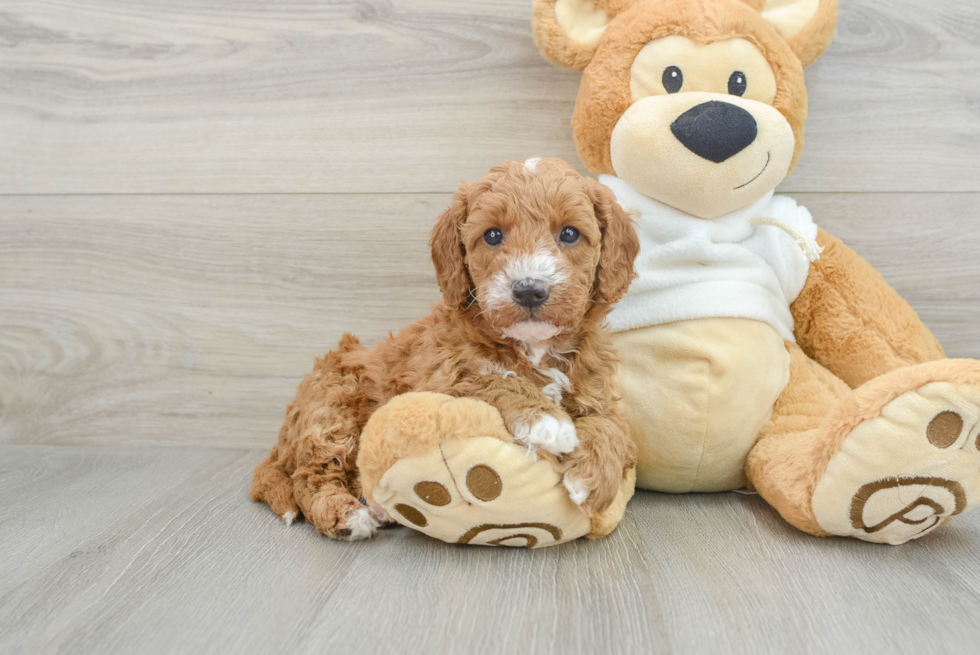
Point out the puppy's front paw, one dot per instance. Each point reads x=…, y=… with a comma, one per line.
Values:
x=577, y=490
x=361, y=524
x=589, y=484
x=343, y=517
x=548, y=433
x=379, y=513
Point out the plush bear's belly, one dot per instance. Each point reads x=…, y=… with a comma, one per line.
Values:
x=696, y=394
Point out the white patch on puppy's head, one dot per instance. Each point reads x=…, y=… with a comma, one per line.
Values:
x=531, y=165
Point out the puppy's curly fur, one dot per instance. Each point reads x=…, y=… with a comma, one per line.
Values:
x=542, y=367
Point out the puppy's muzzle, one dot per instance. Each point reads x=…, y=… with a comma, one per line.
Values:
x=530, y=293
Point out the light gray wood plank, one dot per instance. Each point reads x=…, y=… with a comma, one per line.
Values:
x=127, y=96
x=892, y=105
x=190, y=320
x=193, y=566
x=55, y=498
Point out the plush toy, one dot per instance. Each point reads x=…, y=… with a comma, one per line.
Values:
x=758, y=350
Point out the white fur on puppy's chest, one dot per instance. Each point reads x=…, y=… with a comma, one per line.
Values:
x=559, y=384
x=534, y=352
x=531, y=335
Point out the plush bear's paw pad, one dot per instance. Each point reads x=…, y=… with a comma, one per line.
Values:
x=577, y=490
x=548, y=433
x=481, y=491
x=903, y=473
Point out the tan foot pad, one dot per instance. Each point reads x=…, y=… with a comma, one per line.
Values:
x=903, y=473
x=481, y=491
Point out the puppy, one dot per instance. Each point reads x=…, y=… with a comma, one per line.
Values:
x=530, y=260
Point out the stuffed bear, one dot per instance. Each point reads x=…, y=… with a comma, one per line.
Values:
x=757, y=350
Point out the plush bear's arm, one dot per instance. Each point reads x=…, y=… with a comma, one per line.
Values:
x=849, y=320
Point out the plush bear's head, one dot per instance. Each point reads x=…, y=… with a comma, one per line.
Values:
x=699, y=104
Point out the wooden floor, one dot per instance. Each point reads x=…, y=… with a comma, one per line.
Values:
x=197, y=197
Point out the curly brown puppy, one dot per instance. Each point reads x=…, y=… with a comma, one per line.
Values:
x=530, y=260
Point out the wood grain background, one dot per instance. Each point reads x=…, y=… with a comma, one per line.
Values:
x=197, y=197
x=210, y=96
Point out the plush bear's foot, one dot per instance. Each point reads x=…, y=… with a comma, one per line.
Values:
x=909, y=455
x=481, y=491
x=448, y=468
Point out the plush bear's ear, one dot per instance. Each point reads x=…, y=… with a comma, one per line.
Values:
x=567, y=31
x=807, y=25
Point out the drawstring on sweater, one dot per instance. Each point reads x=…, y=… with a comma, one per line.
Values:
x=811, y=249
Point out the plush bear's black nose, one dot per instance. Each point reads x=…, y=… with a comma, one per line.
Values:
x=530, y=293
x=715, y=130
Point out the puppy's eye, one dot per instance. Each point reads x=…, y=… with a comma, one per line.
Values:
x=737, y=83
x=673, y=79
x=568, y=235
x=493, y=237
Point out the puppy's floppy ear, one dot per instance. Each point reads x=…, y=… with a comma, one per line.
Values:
x=620, y=246
x=448, y=251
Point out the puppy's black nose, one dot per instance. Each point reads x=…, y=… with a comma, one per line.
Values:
x=530, y=293
x=715, y=130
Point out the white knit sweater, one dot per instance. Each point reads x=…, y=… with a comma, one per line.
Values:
x=692, y=268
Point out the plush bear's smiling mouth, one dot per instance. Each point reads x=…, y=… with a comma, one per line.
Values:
x=768, y=159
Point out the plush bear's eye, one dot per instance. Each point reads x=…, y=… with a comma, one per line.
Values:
x=493, y=237
x=737, y=83
x=673, y=79
x=569, y=235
